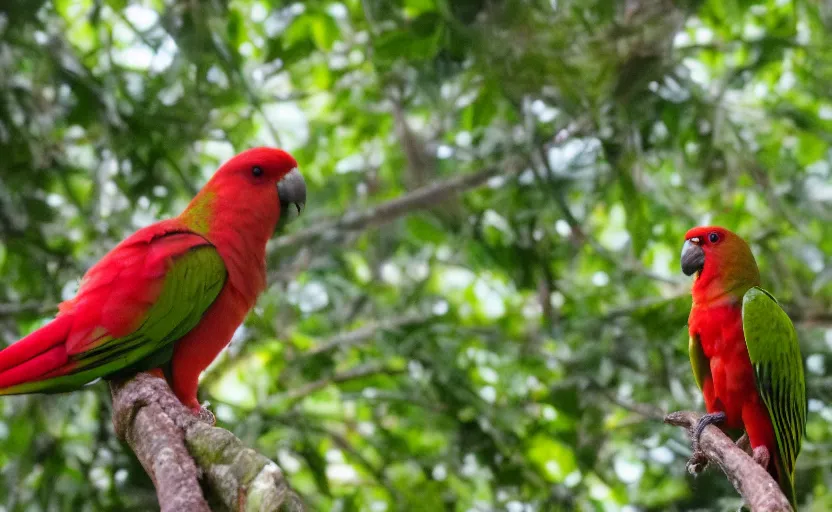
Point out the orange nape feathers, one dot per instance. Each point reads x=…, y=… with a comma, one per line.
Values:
x=246, y=182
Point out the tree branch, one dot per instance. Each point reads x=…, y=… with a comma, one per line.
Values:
x=359, y=372
x=18, y=308
x=419, y=199
x=178, y=450
x=364, y=333
x=750, y=479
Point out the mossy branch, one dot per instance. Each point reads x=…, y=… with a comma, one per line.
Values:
x=752, y=481
x=184, y=455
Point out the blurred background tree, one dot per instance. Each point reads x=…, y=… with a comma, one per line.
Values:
x=513, y=348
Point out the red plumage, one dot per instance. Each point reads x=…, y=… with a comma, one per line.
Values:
x=235, y=214
x=113, y=299
x=37, y=354
x=716, y=320
x=730, y=387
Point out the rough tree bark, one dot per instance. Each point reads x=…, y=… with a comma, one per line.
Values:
x=755, y=485
x=183, y=454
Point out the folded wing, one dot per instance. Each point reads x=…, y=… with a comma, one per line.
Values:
x=130, y=308
x=778, y=368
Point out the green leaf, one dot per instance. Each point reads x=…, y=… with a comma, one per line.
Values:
x=317, y=464
x=423, y=229
x=638, y=224
x=810, y=148
x=417, y=7
x=421, y=42
x=324, y=31
x=553, y=459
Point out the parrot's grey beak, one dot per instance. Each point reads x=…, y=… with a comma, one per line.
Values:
x=693, y=257
x=292, y=193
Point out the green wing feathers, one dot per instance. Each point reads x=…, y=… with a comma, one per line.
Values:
x=698, y=361
x=191, y=284
x=778, y=366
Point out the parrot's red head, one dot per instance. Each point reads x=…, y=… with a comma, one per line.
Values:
x=240, y=207
x=722, y=262
x=266, y=174
x=251, y=191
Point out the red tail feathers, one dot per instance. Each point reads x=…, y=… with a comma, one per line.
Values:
x=35, y=355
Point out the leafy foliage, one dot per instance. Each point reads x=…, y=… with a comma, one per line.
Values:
x=511, y=349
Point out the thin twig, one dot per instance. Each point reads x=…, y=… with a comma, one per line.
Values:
x=33, y=306
x=359, y=372
x=420, y=199
x=363, y=333
x=644, y=410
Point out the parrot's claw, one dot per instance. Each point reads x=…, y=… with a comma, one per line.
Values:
x=744, y=444
x=698, y=461
x=761, y=456
x=207, y=416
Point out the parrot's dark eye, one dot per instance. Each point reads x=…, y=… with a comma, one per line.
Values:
x=257, y=171
x=713, y=238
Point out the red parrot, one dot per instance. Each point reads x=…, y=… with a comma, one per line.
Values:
x=744, y=352
x=171, y=295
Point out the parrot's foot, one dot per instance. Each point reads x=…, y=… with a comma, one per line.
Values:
x=761, y=456
x=704, y=421
x=698, y=461
x=206, y=415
